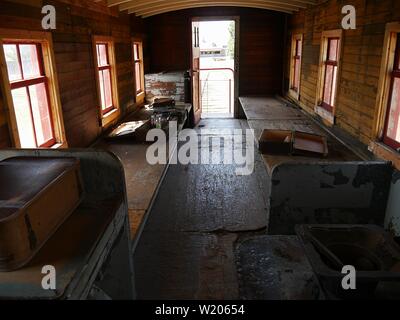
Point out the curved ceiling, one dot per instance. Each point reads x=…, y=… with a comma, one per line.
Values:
x=148, y=8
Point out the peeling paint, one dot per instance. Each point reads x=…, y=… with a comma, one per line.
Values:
x=340, y=178
x=171, y=84
x=341, y=192
x=396, y=176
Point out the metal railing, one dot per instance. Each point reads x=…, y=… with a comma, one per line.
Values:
x=216, y=90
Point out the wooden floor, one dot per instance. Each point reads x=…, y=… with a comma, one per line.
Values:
x=201, y=212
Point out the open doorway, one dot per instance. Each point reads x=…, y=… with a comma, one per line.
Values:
x=215, y=55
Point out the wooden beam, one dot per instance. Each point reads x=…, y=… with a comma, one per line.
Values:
x=112, y=3
x=141, y=10
x=208, y=4
x=148, y=4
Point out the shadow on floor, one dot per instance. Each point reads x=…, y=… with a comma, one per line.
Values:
x=201, y=212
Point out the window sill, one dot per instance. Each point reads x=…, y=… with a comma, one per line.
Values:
x=59, y=146
x=109, y=118
x=386, y=153
x=140, y=98
x=325, y=115
x=294, y=94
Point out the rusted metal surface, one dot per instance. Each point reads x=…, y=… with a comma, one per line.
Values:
x=81, y=246
x=336, y=192
x=275, y=268
x=170, y=84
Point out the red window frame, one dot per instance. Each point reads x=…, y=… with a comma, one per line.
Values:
x=27, y=82
x=102, y=85
x=394, y=75
x=138, y=64
x=334, y=63
x=297, y=65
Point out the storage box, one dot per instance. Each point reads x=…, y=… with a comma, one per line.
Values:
x=307, y=144
x=36, y=196
x=275, y=142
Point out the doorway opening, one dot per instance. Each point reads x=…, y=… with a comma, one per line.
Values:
x=216, y=51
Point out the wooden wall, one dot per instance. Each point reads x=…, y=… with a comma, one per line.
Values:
x=77, y=21
x=261, y=45
x=361, y=58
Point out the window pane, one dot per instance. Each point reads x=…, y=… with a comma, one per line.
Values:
x=299, y=48
x=333, y=95
x=24, y=119
x=13, y=67
x=329, y=75
x=102, y=95
x=138, y=78
x=333, y=48
x=102, y=54
x=393, y=130
x=105, y=89
x=296, y=74
x=397, y=63
x=136, y=51
x=41, y=113
x=29, y=59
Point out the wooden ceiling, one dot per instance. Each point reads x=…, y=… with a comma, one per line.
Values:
x=148, y=8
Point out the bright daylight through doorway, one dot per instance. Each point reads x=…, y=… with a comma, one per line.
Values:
x=217, y=63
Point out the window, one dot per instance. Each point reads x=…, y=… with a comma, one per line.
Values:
x=328, y=74
x=104, y=73
x=32, y=91
x=392, y=126
x=386, y=131
x=106, y=79
x=139, y=70
x=295, y=65
x=331, y=69
x=29, y=93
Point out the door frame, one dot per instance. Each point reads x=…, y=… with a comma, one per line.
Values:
x=236, y=109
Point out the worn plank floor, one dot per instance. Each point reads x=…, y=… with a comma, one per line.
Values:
x=186, y=250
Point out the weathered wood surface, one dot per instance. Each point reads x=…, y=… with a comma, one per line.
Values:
x=142, y=179
x=276, y=268
x=171, y=84
x=136, y=218
x=272, y=114
x=186, y=249
x=268, y=108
